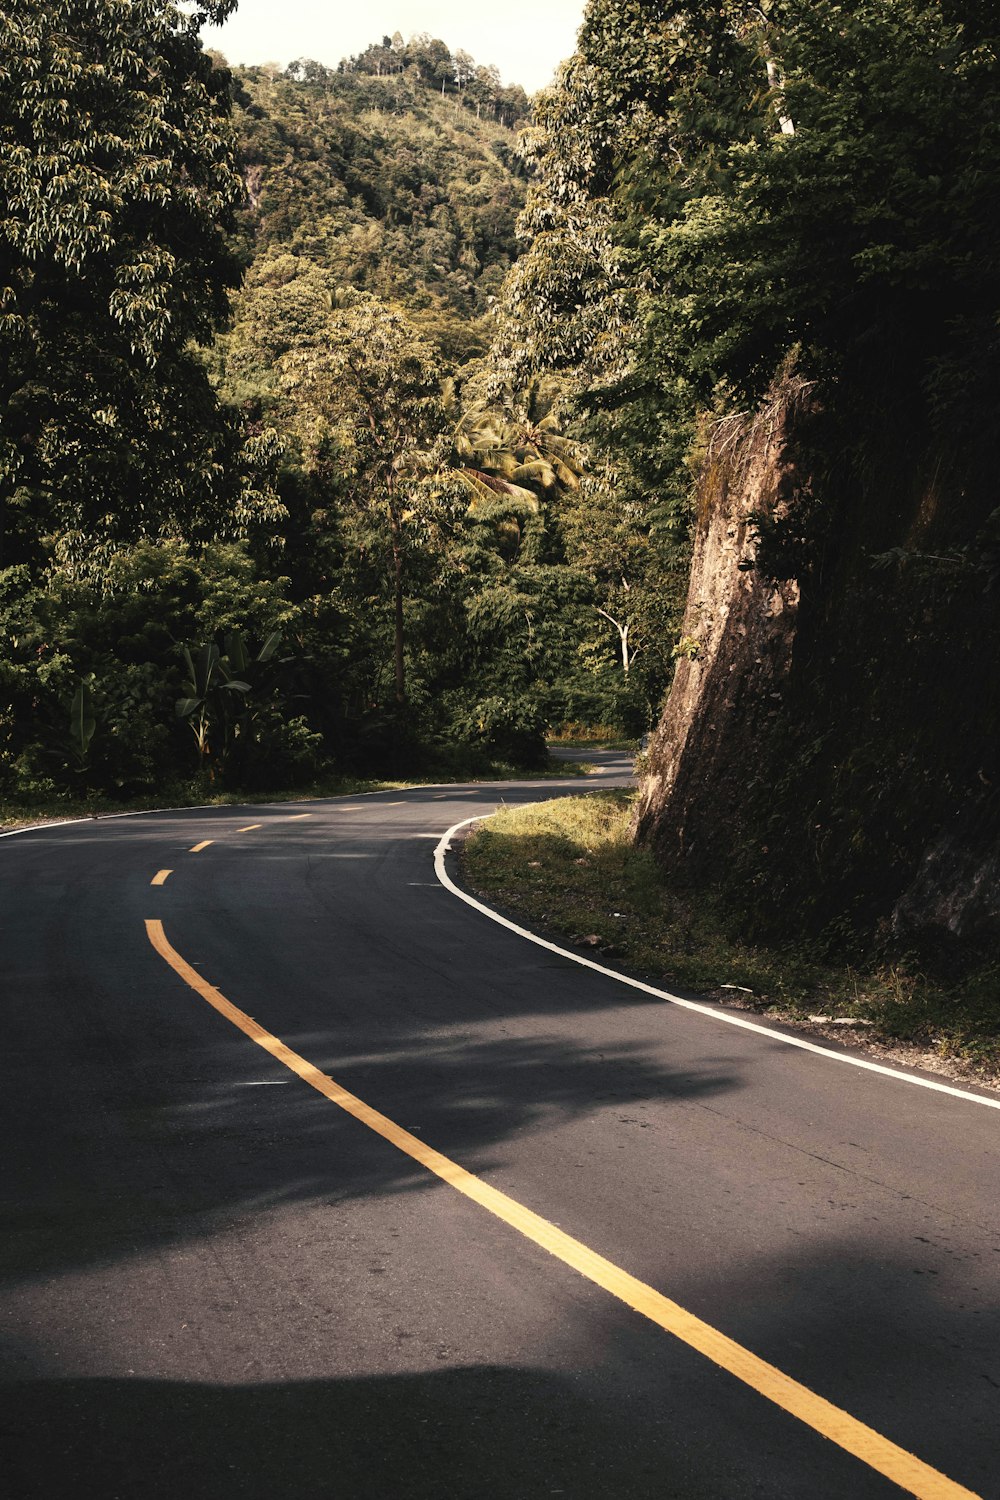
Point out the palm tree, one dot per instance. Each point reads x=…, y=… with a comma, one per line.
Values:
x=514, y=455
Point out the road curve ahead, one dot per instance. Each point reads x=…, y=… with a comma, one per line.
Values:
x=317, y=1182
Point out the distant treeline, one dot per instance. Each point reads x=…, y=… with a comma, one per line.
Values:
x=430, y=60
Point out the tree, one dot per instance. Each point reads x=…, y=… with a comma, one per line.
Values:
x=569, y=301
x=464, y=68
x=579, y=302
x=636, y=567
x=118, y=179
x=807, y=193
x=521, y=439
x=815, y=175
x=371, y=385
x=215, y=692
x=284, y=304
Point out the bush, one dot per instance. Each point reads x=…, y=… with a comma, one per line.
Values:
x=503, y=729
x=124, y=639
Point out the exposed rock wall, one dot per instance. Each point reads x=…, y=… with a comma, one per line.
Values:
x=829, y=751
x=736, y=645
x=955, y=892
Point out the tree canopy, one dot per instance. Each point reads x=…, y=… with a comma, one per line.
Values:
x=119, y=179
x=726, y=195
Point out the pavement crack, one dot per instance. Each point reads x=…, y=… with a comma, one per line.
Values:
x=849, y=1171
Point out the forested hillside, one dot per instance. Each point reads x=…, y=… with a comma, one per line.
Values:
x=268, y=514
x=387, y=185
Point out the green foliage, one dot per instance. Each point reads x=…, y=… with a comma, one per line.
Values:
x=383, y=186
x=370, y=386
x=428, y=60
x=209, y=685
x=819, y=177
x=236, y=705
x=429, y=509
x=118, y=181
x=503, y=729
x=321, y=468
x=734, y=191
x=123, y=642
x=82, y=722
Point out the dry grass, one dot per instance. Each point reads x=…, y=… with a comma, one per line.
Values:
x=568, y=867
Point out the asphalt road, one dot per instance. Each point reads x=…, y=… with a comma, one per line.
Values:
x=218, y=1283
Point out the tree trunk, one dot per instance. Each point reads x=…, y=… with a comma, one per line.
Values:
x=397, y=608
x=623, y=630
x=775, y=82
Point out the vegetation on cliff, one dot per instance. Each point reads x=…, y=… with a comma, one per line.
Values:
x=733, y=196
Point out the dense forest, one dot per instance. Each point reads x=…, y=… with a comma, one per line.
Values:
x=263, y=519
x=355, y=418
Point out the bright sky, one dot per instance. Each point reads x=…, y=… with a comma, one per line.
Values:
x=525, y=39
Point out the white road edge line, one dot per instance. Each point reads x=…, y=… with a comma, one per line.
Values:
x=441, y=872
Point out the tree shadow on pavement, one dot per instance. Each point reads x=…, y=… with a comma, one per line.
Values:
x=639, y=1417
x=191, y=1136
x=512, y=1434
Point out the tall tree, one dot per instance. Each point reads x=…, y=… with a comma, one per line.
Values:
x=369, y=385
x=118, y=178
x=809, y=190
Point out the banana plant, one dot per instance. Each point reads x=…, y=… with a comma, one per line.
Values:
x=82, y=721
x=209, y=684
x=238, y=657
x=216, y=690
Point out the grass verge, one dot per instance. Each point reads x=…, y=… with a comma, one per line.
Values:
x=568, y=866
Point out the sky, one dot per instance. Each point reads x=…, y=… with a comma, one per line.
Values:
x=525, y=39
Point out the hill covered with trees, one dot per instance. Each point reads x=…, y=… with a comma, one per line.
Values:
x=388, y=185
x=267, y=514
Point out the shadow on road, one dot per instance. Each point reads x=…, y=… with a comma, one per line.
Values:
x=173, y=1152
x=642, y=1418
x=473, y=1432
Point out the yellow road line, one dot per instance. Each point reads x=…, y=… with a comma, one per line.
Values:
x=197, y=848
x=160, y=878
x=864, y=1443
x=295, y=816
x=249, y=828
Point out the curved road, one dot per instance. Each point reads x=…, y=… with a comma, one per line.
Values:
x=217, y=1282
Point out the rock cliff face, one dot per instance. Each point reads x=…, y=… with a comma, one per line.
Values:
x=736, y=645
x=829, y=753
x=955, y=892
